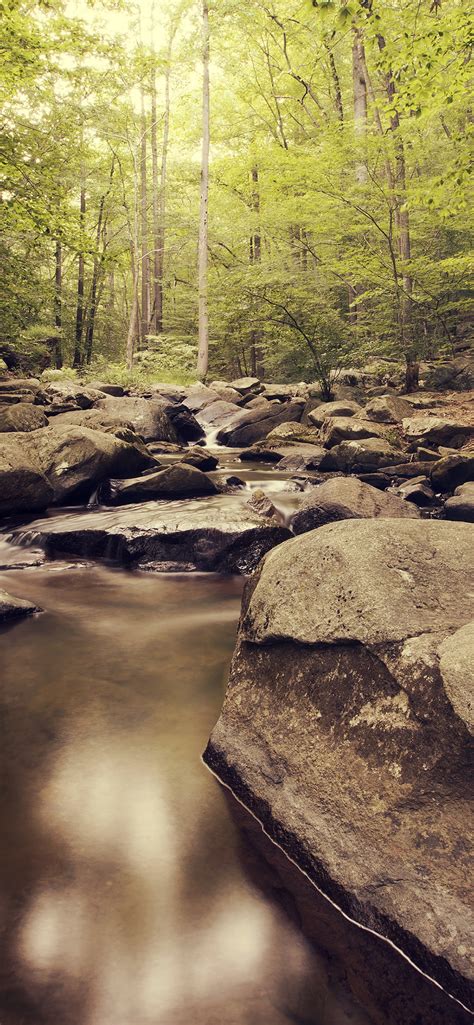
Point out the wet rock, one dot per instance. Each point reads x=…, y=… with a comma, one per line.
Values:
x=417, y=490
x=251, y=425
x=176, y=481
x=452, y=470
x=387, y=409
x=341, y=428
x=360, y=456
x=263, y=506
x=21, y=417
x=14, y=608
x=214, y=534
x=434, y=430
x=200, y=457
x=184, y=422
x=289, y=455
x=325, y=410
x=461, y=505
x=147, y=417
x=244, y=385
x=60, y=463
x=347, y=498
x=340, y=732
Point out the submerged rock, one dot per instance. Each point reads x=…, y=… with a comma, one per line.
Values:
x=346, y=726
x=214, y=534
x=14, y=608
x=176, y=481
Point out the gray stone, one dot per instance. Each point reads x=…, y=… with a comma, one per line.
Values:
x=367, y=454
x=217, y=413
x=387, y=409
x=177, y=481
x=325, y=410
x=456, y=661
x=14, y=608
x=434, y=430
x=21, y=417
x=461, y=505
x=343, y=428
x=147, y=417
x=199, y=396
x=251, y=425
x=452, y=470
x=244, y=385
x=108, y=389
x=344, y=498
x=340, y=734
x=213, y=534
x=417, y=490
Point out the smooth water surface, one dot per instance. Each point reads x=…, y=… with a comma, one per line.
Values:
x=124, y=897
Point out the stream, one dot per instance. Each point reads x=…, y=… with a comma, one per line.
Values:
x=129, y=892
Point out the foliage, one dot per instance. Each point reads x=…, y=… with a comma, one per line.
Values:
x=331, y=239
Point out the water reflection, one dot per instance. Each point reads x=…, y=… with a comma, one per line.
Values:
x=123, y=898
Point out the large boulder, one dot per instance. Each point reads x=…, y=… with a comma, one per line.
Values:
x=95, y=419
x=147, y=417
x=66, y=396
x=23, y=485
x=451, y=471
x=251, y=425
x=18, y=385
x=461, y=505
x=184, y=422
x=345, y=428
x=326, y=410
x=360, y=456
x=210, y=534
x=346, y=726
x=177, y=481
x=347, y=498
x=21, y=417
x=14, y=608
x=63, y=463
x=434, y=430
x=294, y=432
x=387, y=409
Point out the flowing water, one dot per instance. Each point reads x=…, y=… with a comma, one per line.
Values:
x=126, y=896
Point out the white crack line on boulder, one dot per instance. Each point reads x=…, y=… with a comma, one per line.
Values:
x=348, y=918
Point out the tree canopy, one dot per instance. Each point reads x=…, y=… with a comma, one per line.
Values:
x=338, y=197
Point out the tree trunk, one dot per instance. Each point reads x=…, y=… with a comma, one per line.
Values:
x=78, y=354
x=256, y=356
x=337, y=85
x=145, y=267
x=360, y=104
x=412, y=376
x=203, y=316
x=159, y=191
x=58, y=305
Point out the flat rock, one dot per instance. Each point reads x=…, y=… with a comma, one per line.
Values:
x=344, y=498
x=244, y=385
x=348, y=428
x=198, y=397
x=346, y=737
x=214, y=534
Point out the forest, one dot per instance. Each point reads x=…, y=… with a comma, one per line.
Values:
x=236, y=513
x=323, y=224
